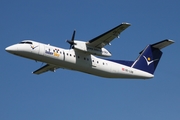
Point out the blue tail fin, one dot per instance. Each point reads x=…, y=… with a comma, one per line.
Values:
x=150, y=56
x=148, y=59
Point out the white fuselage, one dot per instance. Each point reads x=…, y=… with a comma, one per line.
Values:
x=77, y=60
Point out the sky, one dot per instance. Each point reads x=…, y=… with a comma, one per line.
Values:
x=71, y=95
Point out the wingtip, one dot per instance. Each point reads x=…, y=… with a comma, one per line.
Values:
x=126, y=23
x=169, y=41
x=172, y=41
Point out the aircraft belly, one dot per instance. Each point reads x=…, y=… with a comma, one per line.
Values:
x=128, y=72
x=115, y=70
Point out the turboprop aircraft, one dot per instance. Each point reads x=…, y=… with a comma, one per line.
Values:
x=83, y=56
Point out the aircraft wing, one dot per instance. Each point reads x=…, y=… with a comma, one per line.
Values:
x=45, y=68
x=104, y=39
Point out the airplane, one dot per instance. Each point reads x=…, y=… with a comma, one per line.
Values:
x=89, y=57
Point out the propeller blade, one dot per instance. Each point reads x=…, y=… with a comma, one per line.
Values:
x=71, y=42
x=73, y=35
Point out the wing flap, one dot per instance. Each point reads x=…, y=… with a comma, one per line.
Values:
x=105, y=38
x=45, y=68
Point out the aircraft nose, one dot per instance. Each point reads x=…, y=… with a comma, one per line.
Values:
x=11, y=49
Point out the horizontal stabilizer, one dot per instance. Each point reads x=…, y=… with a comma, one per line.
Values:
x=162, y=44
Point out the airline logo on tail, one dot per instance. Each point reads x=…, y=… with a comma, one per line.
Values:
x=148, y=60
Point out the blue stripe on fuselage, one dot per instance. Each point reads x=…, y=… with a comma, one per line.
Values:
x=124, y=62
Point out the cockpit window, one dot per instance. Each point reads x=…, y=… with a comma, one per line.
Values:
x=25, y=42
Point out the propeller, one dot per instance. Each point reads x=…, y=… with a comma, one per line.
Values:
x=71, y=42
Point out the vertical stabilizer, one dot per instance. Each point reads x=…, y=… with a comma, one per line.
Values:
x=150, y=56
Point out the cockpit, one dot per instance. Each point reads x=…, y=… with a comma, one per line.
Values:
x=25, y=42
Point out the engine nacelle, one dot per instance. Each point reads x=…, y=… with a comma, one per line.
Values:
x=80, y=45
